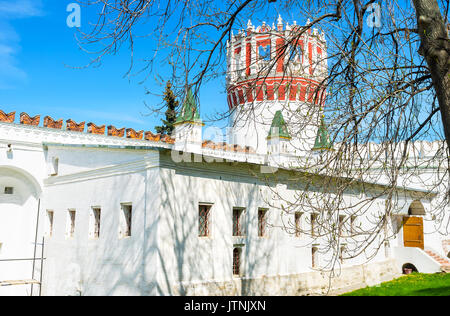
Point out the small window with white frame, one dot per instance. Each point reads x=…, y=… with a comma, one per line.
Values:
x=315, y=256
x=53, y=166
x=9, y=190
x=94, y=222
x=238, y=222
x=352, y=228
x=49, y=223
x=204, y=220
x=264, y=52
x=342, y=253
x=126, y=216
x=71, y=221
x=341, y=226
x=262, y=222
x=298, y=224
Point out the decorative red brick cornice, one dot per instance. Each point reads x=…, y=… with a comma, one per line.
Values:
x=27, y=120
x=221, y=146
x=152, y=137
x=249, y=150
x=51, y=123
x=7, y=118
x=131, y=133
x=73, y=126
x=239, y=149
x=113, y=131
x=97, y=130
x=208, y=144
x=227, y=147
x=167, y=139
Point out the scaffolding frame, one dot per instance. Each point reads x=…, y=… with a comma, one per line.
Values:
x=31, y=281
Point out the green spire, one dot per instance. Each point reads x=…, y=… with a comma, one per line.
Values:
x=279, y=124
x=189, y=112
x=322, y=139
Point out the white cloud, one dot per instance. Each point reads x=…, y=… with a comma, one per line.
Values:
x=105, y=116
x=20, y=8
x=11, y=74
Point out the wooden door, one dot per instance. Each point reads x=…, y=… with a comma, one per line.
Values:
x=413, y=232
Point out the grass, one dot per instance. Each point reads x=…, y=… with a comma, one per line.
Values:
x=415, y=284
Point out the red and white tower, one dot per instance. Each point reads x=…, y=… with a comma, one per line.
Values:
x=278, y=68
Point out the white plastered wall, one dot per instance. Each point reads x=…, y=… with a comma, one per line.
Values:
x=109, y=265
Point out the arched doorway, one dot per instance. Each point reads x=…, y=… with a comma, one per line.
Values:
x=19, y=199
x=413, y=226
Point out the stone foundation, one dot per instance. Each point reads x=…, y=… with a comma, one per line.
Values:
x=311, y=283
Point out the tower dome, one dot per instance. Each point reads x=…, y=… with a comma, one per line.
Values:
x=270, y=69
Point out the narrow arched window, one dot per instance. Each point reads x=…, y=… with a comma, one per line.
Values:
x=245, y=93
x=307, y=94
x=264, y=52
x=276, y=90
x=287, y=92
x=299, y=53
x=236, y=97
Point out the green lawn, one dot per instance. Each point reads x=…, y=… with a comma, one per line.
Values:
x=416, y=284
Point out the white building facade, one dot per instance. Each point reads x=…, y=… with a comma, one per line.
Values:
x=148, y=214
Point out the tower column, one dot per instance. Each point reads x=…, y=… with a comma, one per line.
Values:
x=254, y=107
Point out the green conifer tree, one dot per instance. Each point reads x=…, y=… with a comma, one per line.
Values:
x=171, y=114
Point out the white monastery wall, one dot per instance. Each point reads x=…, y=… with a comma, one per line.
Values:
x=191, y=264
x=109, y=265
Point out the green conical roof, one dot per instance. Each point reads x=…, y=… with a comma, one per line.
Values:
x=278, y=124
x=189, y=111
x=322, y=139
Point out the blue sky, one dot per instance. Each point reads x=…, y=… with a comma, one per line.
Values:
x=37, y=52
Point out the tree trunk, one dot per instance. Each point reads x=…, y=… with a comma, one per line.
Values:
x=435, y=48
